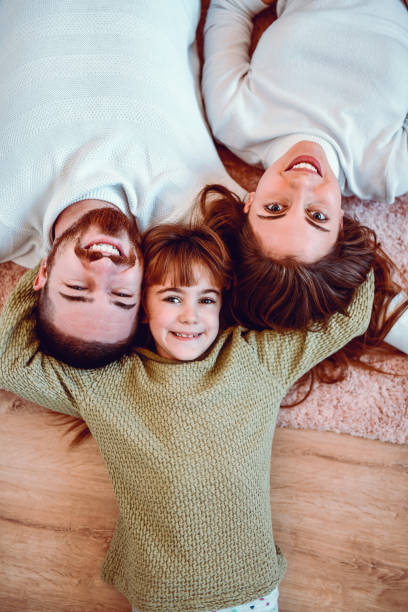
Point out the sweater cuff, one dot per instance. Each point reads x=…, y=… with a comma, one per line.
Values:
x=398, y=334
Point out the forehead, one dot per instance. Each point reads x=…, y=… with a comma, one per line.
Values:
x=302, y=242
x=187, y=275
x=100, y=320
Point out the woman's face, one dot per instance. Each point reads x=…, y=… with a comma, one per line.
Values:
x=296, y=208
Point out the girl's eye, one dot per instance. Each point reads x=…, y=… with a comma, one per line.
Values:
x=207, y=301
x=172, y=299
x=275, y=207
x=318, y=215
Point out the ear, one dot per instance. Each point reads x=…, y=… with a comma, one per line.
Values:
x=41, y=277
x=248, y=201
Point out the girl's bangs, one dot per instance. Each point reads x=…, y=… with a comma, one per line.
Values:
x=179, y=269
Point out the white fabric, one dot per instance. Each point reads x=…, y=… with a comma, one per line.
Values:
x=332, y=70
x=98, y=99
x=398, y=334
x=268, y=603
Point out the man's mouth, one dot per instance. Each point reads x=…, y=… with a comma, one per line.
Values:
x=305, y=163
x=105, y=248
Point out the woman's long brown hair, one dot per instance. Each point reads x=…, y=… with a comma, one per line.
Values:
x=287, y=294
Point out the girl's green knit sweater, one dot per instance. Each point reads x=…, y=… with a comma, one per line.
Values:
x=187, y=446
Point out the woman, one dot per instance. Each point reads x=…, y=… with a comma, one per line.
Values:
x=322, y=106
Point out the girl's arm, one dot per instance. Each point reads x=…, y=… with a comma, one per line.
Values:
x=24, y=370
x=227, y=37
x=288, y=355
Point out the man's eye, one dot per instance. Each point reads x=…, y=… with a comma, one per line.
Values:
x=275, y=207
x=122, y=294
x=318, y=215
x=77, y=287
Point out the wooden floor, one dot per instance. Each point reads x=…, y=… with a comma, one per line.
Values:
x=340, y=507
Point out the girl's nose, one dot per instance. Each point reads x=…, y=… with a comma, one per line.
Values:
x=188, y=314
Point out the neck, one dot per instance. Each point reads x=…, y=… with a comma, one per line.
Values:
x=72, y=213
x=280, y=145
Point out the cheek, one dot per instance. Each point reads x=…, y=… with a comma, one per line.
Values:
x=159, y=319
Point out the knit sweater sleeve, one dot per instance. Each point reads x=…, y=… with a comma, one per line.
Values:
x=291, y=354
x=227, y=37
x=26, y=371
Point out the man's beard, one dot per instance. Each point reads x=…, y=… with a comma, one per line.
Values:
x=110, y=221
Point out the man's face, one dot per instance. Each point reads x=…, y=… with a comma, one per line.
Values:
x=296, y=208
x=93, y=277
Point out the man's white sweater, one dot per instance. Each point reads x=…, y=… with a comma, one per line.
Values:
x=99, y=100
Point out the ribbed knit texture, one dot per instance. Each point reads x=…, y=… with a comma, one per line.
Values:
x=324, y=69
x=99, y=100
x=187, y=447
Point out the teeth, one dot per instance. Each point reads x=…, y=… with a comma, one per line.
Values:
x=102, y=247
x=305, y=165
x=180, y=335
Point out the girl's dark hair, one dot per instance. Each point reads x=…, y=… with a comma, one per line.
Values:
x=172, y=250
x=282, y=294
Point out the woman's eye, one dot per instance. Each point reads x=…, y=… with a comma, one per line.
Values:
x=317, y=215
x=275, y=207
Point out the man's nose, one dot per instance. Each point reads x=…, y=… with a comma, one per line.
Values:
x=102, y=267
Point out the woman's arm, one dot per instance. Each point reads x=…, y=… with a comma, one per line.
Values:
x=227, y=37
x=288, y=355
x=24, y=370
x=398, y=334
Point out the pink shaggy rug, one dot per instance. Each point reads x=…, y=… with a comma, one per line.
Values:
x=366, y=404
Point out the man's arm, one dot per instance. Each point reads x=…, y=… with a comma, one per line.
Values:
x=24, y=370
x=227, y=37
x=291, y=354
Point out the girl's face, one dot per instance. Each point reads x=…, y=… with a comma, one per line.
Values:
x=184, y=321
x=296, y=208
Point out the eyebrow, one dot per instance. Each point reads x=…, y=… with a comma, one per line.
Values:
x=316, y=225
x=180, y=290
x=81, y=298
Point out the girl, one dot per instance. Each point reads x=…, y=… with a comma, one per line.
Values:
x=187, y=434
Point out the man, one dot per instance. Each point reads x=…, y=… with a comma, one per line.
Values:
x=100, y=110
